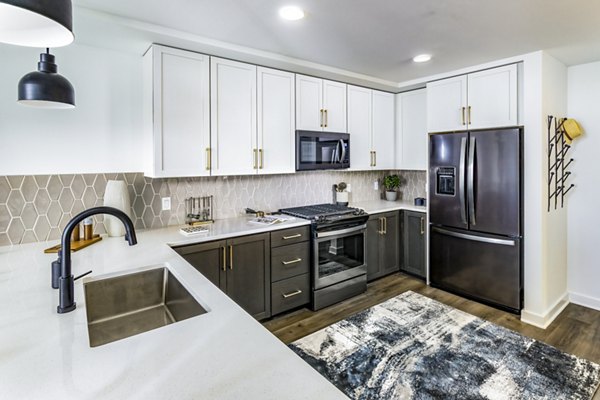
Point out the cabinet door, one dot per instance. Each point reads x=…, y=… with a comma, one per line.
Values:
x=383, y=136
x=309, y=103
x=446, y=104
x=359, y=127
x=411, y=134
x=414, y=243
x=209, y=259
x=276, y=108
x=334, y=104
x=177, y=112
x=390, y=243
x=492, y=96
x=233, y=117
x=249, y=274
x=374, y=229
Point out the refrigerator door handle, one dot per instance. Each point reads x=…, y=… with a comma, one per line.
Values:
x=461, y=180
x=471, y=181
x=482, y=239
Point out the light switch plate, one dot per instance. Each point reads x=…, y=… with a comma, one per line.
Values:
x=375, y=185
x=166, y=203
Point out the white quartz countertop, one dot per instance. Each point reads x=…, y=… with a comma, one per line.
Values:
x=380, y=206
x=223, y=354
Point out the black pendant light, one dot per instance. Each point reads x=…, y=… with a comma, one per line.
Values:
x=36, y=23
x=45, y=88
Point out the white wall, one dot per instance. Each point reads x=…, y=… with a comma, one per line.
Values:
x=102, y=134
x=583, y=213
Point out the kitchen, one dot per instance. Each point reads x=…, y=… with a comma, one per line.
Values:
x=154, y=105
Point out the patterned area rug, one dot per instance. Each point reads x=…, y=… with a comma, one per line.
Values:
x=412, y=347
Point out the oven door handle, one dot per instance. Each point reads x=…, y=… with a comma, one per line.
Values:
x=341, y=231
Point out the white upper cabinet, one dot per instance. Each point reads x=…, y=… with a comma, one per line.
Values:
x=411, y=130
x=334, y=106
x=371, y=129
x=233, y=117
x=447, y=104
x=360, y=107
x=275, y=144
x=320, y=104
x=176, y=112
x=485, y=99
x=383, y=130
x=492, y=98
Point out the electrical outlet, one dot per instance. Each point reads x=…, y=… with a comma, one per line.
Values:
x=166, y=203
x=375, y=185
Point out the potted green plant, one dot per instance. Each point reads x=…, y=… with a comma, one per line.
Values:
x=391, y=183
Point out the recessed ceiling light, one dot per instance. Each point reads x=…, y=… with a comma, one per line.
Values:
x=421, y=58
x=291, y=13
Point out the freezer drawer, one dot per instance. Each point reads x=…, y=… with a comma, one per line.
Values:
x=483, y=267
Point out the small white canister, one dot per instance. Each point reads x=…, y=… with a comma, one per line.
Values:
x=117, y=196
x=341, y=198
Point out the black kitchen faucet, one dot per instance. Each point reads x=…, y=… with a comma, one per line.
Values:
x=62, y=266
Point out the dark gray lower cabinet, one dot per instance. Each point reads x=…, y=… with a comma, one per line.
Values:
x=240, y=267
x=383, y=244
x=414, y=238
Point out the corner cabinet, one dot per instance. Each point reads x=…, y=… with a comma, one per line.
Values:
x=371, y=127
x=414, y=232
x=383, y=244
x=176, y=113
x=320, y=104
x=484, y=99
x=233, y=118
x=411, y=130
x=240, y=267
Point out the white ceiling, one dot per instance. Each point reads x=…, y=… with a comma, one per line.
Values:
x=378, y=38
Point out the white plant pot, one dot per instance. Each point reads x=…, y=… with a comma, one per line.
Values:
x=117, y=196
x=391, y=196
x=341, y=198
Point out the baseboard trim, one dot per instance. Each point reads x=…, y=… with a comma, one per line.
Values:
x=583, y=300
x=544, y=320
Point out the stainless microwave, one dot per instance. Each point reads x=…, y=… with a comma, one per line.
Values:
x=322, y=150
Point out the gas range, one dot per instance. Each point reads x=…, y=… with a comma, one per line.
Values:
x=327, y=214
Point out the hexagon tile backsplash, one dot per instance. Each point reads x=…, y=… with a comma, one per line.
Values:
x=36, y=208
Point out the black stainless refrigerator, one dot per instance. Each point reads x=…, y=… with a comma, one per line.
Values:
x=476, y=203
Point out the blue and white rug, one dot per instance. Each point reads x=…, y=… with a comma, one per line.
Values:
x=412, y=347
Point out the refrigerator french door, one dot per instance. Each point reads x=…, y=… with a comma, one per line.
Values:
x=476, y=215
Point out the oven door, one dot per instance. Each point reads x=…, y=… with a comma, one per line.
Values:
x=322, y=150
x=339, y=255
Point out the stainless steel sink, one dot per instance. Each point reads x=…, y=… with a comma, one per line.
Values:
x=126, y=305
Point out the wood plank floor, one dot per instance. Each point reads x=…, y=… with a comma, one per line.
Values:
x=575, y=331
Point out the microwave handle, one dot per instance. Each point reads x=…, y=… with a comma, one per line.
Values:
x=343, y=156
x=334, y=155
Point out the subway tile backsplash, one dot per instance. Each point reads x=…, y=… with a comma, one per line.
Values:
x=36, y=208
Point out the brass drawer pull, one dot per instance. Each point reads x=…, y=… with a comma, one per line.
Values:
x=297, y=260
x=255, y=159
x=224, y=258
x=288, y=295
x=230, y=257
x=208, y=160
x=422, y=226
x=297, y=235
x=262, y=158
x=385, y=225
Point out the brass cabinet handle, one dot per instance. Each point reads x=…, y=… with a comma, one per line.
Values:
x=261, y=152
x=297, y=235
x=295, y=293
x=231, y=257
x=462, y=116
x=380, y=226
x=224, y=258
x=469, y=115
x=384, y=225
x=255, y=159
x=208, y=160
x=321, y=121
x=297, y=260
x=422, y=225
x=371, y=159
x=326, y=118
x=375, y=158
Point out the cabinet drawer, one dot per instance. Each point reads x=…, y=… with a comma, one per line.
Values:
x=290, y=236
x=290, y=293
x=289, y=261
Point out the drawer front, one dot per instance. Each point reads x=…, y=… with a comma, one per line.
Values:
x=290, y=293
x=290, y=236
x=289, y=261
